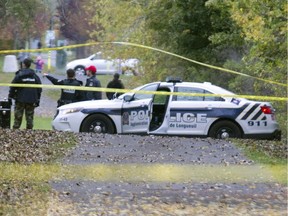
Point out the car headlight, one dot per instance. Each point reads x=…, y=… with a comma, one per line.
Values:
x=70, y=110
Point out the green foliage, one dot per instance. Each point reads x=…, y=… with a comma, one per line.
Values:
x=179, y=22
x=6, y=44
x=264, y=28
x=22, y=20
x=260, y=28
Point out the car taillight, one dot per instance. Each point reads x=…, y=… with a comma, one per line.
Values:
x=267, y=110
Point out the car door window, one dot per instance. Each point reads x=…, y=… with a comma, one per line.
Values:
x=159, y=107
x=141, y=96
x=201, y=97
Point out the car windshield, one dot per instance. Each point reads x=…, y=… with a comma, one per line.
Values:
x=143, y=87
x=92, y=57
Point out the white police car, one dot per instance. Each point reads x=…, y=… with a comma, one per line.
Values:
x=181, y=113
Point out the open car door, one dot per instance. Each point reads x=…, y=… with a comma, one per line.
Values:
x=137, y=109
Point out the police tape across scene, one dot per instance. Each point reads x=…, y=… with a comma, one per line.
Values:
x=258, y=97
x=146, y=47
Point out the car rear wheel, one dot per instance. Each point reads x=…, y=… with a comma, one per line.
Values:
x=98, y=124
x=225, y=129
x=80, y=70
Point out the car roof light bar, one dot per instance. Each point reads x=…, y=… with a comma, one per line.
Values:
x=173, y=80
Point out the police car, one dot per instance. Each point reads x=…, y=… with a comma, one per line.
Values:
x=172, y=108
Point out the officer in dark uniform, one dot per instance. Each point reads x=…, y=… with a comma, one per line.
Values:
x=115, y=83
x=26, y=99
x=92, y=81
x=67, y=95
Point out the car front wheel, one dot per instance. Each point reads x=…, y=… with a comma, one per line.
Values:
x=225, y=129
x=80, y=70
x=98, y=124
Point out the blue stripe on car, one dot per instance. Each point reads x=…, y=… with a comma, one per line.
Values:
x=212, y=113
x=112, y=111
x=257, y=115
x=107, y=111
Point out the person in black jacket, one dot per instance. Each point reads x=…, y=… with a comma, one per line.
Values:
x=26, y=99
x=92, y=81
x=67, y=95
x=115, y=83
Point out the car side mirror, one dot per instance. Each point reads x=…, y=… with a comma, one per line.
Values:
x=115, y=95
x=128, y=98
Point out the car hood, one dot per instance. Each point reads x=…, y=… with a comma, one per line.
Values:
x=94, y=104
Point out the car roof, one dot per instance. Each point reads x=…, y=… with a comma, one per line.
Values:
x=205, y=85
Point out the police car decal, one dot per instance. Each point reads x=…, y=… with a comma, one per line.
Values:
x=249, y=112
x=213, y=113
x=187, y=120
x=135, y=117
x=125, y=118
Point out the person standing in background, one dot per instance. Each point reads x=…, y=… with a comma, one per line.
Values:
x=21, y=56
x=115, y=83
x=26, y=99
x=92, y=81
x=39, y=64
x=39, y=45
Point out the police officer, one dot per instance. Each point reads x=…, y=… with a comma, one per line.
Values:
x=67, y=95
x=26, y=99
x=92, y=81
x=115, y=83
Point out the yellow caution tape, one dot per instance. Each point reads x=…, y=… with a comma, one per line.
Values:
x=145, y=47
x=200, y=63
x=83, y=88
x=49, y=61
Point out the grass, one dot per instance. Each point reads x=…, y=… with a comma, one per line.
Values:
x=40, y=123
x=154, y=172
x=6, y=77
x=263, y=158
x=32, y=198
x=271, y=154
